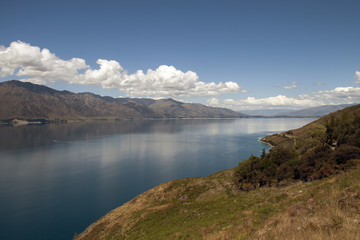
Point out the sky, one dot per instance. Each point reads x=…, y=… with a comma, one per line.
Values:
x=242, y=55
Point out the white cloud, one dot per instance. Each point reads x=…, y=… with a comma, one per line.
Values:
x=293, y=85
x=214, y=102
x=251, y=103
x=318, y=84
x=340, y=95
x=357, y=77
x=42, y=66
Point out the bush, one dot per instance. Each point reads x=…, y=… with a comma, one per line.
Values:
x=276, y=166
x=312, y=161
x=345, y=153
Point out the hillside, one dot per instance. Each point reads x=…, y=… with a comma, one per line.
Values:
x=171, y=108
x=21, y=100
x=30, y=101
x=248, y=202
x=320, y=149
x=212, y=208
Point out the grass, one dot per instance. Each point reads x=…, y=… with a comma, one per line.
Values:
x=212, y=208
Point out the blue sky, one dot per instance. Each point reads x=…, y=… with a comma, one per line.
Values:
x=255, y=54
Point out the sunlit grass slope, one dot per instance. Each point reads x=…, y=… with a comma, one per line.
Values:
x=212, y=208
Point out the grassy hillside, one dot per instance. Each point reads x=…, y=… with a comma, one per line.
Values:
x=326, y=206
x=213, y=208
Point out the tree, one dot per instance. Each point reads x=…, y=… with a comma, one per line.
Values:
x=263, y=154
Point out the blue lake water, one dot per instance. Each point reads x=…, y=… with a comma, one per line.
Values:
x=55, y=180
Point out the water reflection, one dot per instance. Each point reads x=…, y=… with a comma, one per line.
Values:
x=57, y=179
x=12, y=138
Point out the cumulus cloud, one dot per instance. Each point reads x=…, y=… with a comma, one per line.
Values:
x=357, y=77
x=339, y=95
x=41, y=66
x=293, y=85
x=251, y=103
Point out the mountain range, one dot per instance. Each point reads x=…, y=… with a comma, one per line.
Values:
x=306, y=112
x=314, y=111
x=28, y=101
x=32, y=102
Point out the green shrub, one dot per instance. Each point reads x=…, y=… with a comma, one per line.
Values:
x=328, y=146
x=345, y=153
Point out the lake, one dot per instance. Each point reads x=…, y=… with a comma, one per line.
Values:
x=58, y=179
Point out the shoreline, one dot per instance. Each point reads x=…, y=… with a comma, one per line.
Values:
x=42, y=121
x=267, y=142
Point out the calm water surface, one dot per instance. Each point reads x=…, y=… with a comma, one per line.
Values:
x=55, y=180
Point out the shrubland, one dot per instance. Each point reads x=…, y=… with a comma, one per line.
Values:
x=325, y=147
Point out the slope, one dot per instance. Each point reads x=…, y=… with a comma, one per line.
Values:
x=214, y=207
x=171, y=108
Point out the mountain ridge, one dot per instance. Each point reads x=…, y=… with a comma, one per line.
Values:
x=28, y=101
x=318, y=111
x=314, y=111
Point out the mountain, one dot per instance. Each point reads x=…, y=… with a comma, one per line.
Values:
x=171, y=108
x=265, y=112
x=306, y=187
x=307, y=112
x=313, y=111
x=23, y=100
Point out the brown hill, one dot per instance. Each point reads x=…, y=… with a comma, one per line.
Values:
x=22, y=100
x=172, y=109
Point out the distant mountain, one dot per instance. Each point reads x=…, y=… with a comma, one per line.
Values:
x=314, y=111
x=171, y=108
x=265, y=112
x=23, y=100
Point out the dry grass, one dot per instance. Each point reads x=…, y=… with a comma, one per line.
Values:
x=330, y=212
x=211, y=208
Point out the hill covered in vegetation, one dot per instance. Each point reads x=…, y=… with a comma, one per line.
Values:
x=306, y=187
x=319, y=149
